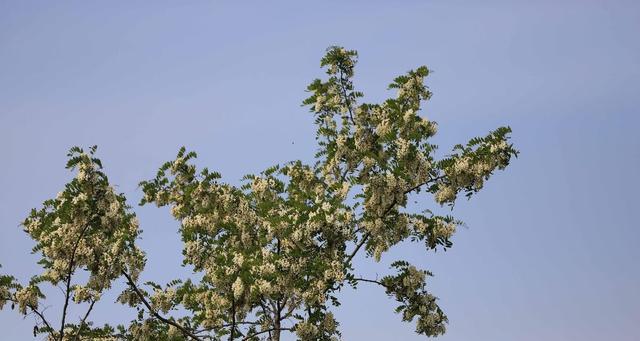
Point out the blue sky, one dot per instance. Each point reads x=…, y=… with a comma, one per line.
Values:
x=551, y=250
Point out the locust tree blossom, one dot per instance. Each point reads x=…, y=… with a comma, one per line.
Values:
x=86, y=239
x=271, y=255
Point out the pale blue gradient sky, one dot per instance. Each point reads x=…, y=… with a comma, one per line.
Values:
x=551, y=252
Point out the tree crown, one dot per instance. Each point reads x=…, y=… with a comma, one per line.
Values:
x=272, y=254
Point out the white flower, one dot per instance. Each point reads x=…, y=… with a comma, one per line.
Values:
x=26, y=298
x=461, y=165
x=114, y=207
x=264, y=286
x=238, y=288
x=238, y=259
x=403, y=147
x=319, y=103
x=384, y=127
x=344, y=190
x=267, y=268
x=260, y=185
x=79, y=198
x=445, y=194
x=444, y=229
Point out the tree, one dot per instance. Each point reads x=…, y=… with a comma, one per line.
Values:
x=270, y=256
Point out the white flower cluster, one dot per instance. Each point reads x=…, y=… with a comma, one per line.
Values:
x=84, y=294
x=306, y=331
x=383, y=192
x=26, y=297
x=444, y=229
x=4, y=295
x=413, y=279
x=238, y=288
x=215, y=308
x=163, y=300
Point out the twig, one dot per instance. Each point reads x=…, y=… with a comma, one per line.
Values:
x=248, y=337
x=369, y=281
x=84, y=319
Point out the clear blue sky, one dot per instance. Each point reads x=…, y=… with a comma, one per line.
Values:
x=551, y=252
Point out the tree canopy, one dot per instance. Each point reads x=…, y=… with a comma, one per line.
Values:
x=270, y=256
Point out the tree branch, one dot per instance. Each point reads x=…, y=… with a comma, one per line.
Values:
x=248, y=337
x=70, y=272
x=369, y=281
x=35, y=311
x=227, y=325
x=346, y=97
x=84, y=319
x=355, y=251
x=133, y=286
x=422, y=184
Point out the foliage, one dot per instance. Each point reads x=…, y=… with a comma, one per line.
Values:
x=273, y=253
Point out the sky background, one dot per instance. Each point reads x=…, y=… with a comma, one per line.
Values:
x=551, y=249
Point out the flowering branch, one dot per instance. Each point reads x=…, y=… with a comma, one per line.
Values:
x=33, y=310
x=140, y=295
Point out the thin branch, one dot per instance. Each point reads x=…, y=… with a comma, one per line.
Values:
x=370, y=281
x=184, y=330
x=41, y=316
x=248, y=337
x=422, y=184
x=292, y=308
x=70, y=272
x=35, y=311
x=204, y=330
x=265, y=310
x=355, y=251
x=84, y=319
x=346, y=97
x=66, y=300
